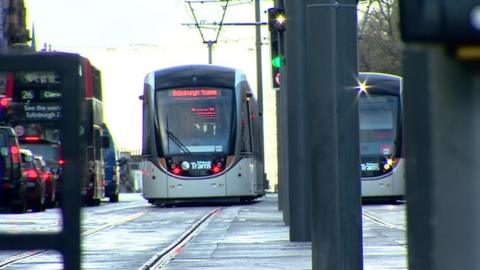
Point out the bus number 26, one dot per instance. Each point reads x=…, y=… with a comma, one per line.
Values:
x=27, y=95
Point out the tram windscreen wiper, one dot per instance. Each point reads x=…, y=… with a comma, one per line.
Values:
x=174, y=138
x=178, y=142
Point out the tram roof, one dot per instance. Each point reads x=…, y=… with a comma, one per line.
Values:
x=194, y=75
x=381, y=82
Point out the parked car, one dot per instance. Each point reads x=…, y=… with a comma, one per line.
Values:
x=12, y=182
x=35, y=184
x=50, y=181
x=52, y=155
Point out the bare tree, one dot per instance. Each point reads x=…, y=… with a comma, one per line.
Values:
x=379, y=44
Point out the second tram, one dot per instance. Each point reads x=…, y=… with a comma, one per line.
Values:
x=381, y=155
x=201, y=136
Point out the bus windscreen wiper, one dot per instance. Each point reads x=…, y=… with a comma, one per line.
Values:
x=178, y=142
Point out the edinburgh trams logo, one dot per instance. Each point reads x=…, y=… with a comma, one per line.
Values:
x=196, y=165
x=369, y=166
x=185, y=165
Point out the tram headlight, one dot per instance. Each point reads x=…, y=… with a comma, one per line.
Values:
x=388, y=164
x=216, y=169
x=177, y=170
x=362, y=87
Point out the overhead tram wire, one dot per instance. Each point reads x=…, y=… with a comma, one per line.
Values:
x=208, y=42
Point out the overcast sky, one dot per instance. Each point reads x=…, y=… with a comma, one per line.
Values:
x=126, y=39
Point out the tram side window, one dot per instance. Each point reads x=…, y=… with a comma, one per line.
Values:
x=246, y=144
x=254, y=118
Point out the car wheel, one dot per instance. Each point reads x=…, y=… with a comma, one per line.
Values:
x=19, y=207
x=114, y=198
x=38, y=206
x=50, y=202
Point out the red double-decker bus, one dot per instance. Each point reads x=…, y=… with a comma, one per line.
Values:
x=30, y=104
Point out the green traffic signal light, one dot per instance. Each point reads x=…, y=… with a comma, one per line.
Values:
x=277, y=61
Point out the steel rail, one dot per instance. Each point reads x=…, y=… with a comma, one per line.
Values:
x=119, y=221
x=162, y=258
x=383, y=223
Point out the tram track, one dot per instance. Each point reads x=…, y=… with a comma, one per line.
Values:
x=116, y=222
x=161, y=259
x=382, y=222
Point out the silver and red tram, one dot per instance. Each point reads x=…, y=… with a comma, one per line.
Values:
x=381, y=155
x=201, y=136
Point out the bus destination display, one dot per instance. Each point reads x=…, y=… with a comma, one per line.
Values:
x=36, y=96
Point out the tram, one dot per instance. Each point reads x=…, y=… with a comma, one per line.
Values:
x=381, y=142
x=201, y=136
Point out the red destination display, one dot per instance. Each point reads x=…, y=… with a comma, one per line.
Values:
x=194, y=93
x=210, y=112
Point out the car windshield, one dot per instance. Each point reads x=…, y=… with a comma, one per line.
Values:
x=3, y=139
x=27, y=161
x=49, y=152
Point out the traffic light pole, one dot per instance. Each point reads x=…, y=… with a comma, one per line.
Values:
x=283, y=129
x=333, y=133
x=258, y=47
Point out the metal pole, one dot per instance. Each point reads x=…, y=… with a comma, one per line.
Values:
x=283, y=130
x=335, y=173
x=279, y=156
x=298, y=143
x=285, y=151
x=258, y=43
x=226, y=24
x=280, y=185
x=282, y=197
x=442, y=165
x=73, y=150
x=210, y=45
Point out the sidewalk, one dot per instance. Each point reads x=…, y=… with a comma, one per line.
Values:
x=254, y=237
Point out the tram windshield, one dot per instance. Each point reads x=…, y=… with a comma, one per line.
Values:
x=379, y=119
x=195, y=120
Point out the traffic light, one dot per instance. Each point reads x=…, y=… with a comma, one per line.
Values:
x=277, y=21
x=276, y=59
x=441, y=21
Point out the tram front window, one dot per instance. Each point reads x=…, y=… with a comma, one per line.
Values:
x=378, y=134
x=195, y=120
